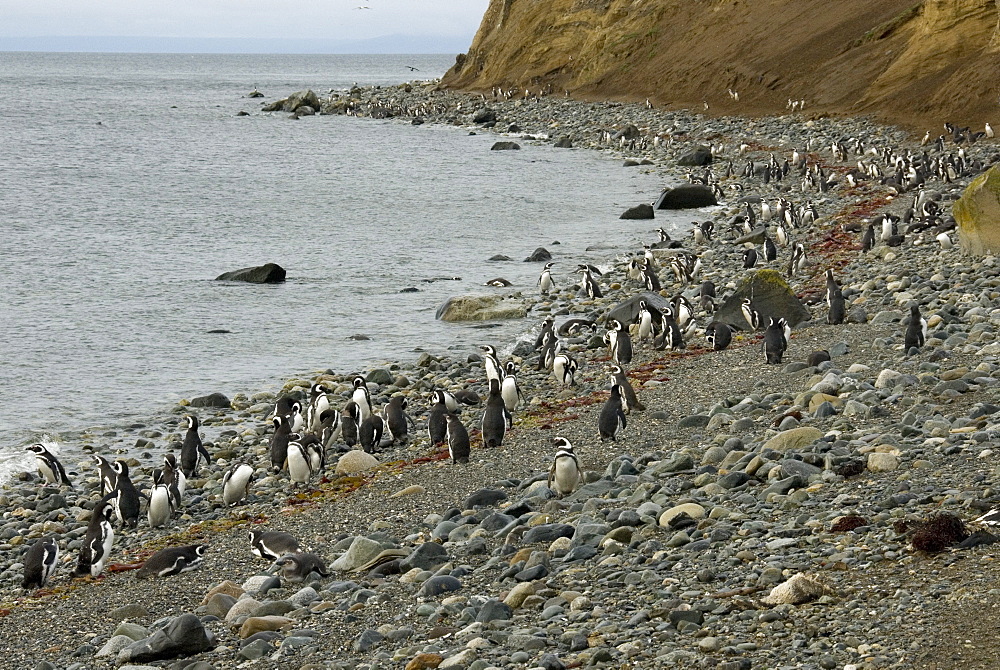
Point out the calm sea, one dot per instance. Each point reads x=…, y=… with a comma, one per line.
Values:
x=127, y=183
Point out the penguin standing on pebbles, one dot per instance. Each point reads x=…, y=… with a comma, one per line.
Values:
x=619, y=342
x=395, y=418
x=611, y=421
x=371, y=431
x=173, y=561
x=236, y=483
x=126, y=497
x=437, y=419
x=161, y=506
x=40, y=563
x=109, y=478
x=565, y=473
x=775, y=341
x=278, y=448
x=350, y=422
x=645, y=321
x=362, y=397
x=834, y=300
x=192, y=450
x=719, y=335
x=564, y=368
x=49, y=466
x=459, y=446
x=509, y=389
x=916, y=330
x=496, y=418
x=272, y=544
x=97, y=542
x=491, y=364
x=175, y=480
x=319, y=402
x=299, y=467
x=629, y=399
x=545, y=282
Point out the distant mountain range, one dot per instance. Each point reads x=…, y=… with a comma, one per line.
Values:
x=386, y=44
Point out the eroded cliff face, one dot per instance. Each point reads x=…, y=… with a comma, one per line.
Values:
x=906, y=61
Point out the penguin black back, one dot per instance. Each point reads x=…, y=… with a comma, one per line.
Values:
x=437, y=419
x=916, y=330
x=279, y=442
x=40, y=563
x=495, y=417
x=611, y=421
x=459, y=446
x=774, y=341
x=192, y=450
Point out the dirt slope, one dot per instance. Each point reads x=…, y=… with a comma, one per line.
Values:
x=913, y=63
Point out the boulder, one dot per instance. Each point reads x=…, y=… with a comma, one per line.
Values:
x=686, y=196
x=268, y=273
x=361, y=551
x=629, y=132
x=505, y=146
x=298, y=99
x=481, y=308
x=185, y=635
x=642, y=211
x=484, y=116
x=772, y=297
x=211, y=400
x=794, y=439
x=563, y=143
x=426, y=556
x=355, y=461
x=628, y=311
x=539, y=255
x=698, y=158
x=755, y=236
x=977, y=214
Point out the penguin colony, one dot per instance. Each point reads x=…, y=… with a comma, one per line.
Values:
x=306, y=429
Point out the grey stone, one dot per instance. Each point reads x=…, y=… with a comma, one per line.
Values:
x=548, y=532
x=686, y=196
x=439, y=584
x=698, y=158
x=772, y=297
x=643, y=211
x=494, y=610
x=185, y=635
x=269, y=273
x=366, y=640
x=426, y=556
x=211, y=400
x=484, y=498
x=505, y=146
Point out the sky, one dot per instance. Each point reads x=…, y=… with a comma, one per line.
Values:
x=283, y=19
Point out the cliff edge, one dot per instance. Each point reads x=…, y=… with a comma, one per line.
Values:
x=912, y=63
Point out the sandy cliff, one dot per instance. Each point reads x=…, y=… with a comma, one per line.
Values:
x=915, y=63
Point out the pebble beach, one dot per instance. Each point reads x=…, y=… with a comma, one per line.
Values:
x=737, y=477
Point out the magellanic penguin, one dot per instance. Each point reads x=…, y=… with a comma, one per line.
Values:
x=564, y=368
x=350, y=421
x=362, y=397
x=49, y=466
x=509, y=389
x=629, y=399
x=295, y=418
x=590, y=286
x=278, y=449
x=459, y=446
x=868, y=238
x=611, y=421
x=370, y=432
x=719, y=335
x=40, y=563
x=161, y=506
x=329, y=427
x=751, y=315
x=565, y=473
x=315, y=452
x=770, y=250
x=545, y=332
x=319, y=402
x=545, y=282
x=496, y=418
x=173, y=561
x=491, y=364
x=750, y=258
x=575, y=326
x=670, y=336
x=461, y=398
x=297, y=568
x=299, y=468
x=109, y=477
x=797, y=260
x=236, y=483
x=775, y=341
x=916, y=330
x=125, y=497
x=396, y=418
x=437, y=419
x=192, y=450
x=175, y=480
x=272, y=544
x=619, y=342
x=100, y=536
x=834, y=300
x=644, y=319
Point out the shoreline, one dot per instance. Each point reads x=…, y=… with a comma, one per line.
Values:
x=531, y=452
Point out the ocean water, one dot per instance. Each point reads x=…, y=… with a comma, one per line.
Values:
x=129, y=183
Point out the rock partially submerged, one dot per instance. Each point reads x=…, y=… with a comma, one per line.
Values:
x=269, y=273
x=643, y=211
x=505, y=146
x=294, y=102
x=481, y=308
x=686, y=196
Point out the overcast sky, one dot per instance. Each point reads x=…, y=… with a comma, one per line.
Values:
x=324, y=19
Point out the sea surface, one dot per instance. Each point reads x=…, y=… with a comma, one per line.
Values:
x=128, y=183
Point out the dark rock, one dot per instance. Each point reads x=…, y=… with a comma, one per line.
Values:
x=581, y=553
x=563, y=143
x=629, y=132
x=484, y=116
x=694, y=421
x=211, y=400
x=505, y=146
x=500, y=257
x=547, y=533
x=628, y=311
x=439, y=584
x=513, y=128
x=731, y=480
x=755, y=236
x=531, y=574
x=185, y=635
x=484, y=498
x=772, y=297
x=686, y=196
x=417, y=121
x=550, y=662
x=677, y=616
x=698, y=158
x=269, y=273
x=494, y=610
x=643, y=211
x=539, y=255
x=426, y=556
x=294, y=101
x=791, y=467
x=366, y=640
x=242, y=113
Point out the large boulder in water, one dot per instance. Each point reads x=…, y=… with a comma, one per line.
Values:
x=628, y=311
x=505, y=146
x=481, y=308
x=977, y=214
x=771, y=296
x=298, y=99
x=539, y=255
x=686, y=196
x=268, y=273
x=643, y=211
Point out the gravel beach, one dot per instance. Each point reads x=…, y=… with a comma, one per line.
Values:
x=737, y=477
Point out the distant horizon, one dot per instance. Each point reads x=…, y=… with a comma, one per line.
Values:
x=384, y=44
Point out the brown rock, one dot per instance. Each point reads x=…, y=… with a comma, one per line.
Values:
x=229, y=588
x=977, y=214
x=257, y=624
x=424, y=661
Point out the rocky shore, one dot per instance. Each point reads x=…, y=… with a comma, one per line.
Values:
x=737, y=476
